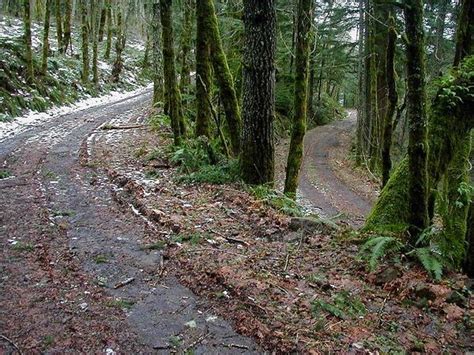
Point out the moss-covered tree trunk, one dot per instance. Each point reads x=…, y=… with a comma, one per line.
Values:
x=392, y=103
x=85, y=42
x=108, y=45
x=67, y=26
x=203, y=72
x=257, y=158
x=416, y=113
x=295, y=155
x=47, y=15
x=451, y=121
x=157, y=55
x=119, y=47
x=185, y=77
x=97, y=5
x=59, y=26
x=223, y=77
x=30, y=72
x=103, y=19
x=171, y=85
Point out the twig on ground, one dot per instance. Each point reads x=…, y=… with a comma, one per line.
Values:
x=214, y=249
x=125, y=282
x=238, y=346
x=11, y=342
x=196, y=342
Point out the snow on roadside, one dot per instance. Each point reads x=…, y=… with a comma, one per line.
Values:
x=33, y=118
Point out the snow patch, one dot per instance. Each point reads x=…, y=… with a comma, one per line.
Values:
x=32, y=119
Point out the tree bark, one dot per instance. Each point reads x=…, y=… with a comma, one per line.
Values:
x=103, y=18
x=295, y=155
x=257, y=158
x=97, y=5
x=47, y=15
x=30, y=73
x=171, y=85
x=417, y=145
x=392, y=103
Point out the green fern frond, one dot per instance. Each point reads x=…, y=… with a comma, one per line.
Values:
x=431, y=260
x=378, y=247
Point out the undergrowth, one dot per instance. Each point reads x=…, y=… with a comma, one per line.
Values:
x=426, y=251
x=276, y=200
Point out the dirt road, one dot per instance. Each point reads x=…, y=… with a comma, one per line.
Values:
x=74, y=274
x=320, y=186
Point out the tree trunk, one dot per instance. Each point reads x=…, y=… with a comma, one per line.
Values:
x=97, y=5
x=30, y=73
x=172, y=90
x=392, y=103
x=203, y=72
x=108, y=46
x=103, y=18
x=417, y=144
x=257, y=158
x=185, y=79
x=59, y=28
x=157, y=55
x=223, y=76
x=295, y=155
x=47, y=15
x=67, y=27
x=119, y=47
x=85, y=42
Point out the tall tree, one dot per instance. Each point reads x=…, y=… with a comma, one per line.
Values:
x=416, y=111
x=108, y=45
x=59, y=26
x=203, y=72
x=67, y=27
x=30, y=74
x=185, y=79
x=171, y=86
x=223, y=76
x=47, y=15
x=157, y=54
x=97, y=10
x=392, y=102
x=257, y=158
x=119, y=47
x=85, y=42
x=295, y=155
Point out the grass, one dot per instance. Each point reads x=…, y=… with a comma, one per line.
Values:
x=101, y=259
x=4, y=174
x=343, y=305
x=20, y=246
x=120, y=303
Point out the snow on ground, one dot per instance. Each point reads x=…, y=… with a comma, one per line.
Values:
x=32, y=119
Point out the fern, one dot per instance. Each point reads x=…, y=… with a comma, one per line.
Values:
x=378, y=247
x=431, y=259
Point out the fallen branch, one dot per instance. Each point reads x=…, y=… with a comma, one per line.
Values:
x=11, y=342
x=111, y=127
x=238, y=346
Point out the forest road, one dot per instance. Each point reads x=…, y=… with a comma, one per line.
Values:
x=319, y=185
x=56, y=208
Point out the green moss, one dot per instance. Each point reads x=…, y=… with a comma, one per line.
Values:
x=392, y=207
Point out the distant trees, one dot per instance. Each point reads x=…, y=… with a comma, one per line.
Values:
x=85, y=42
